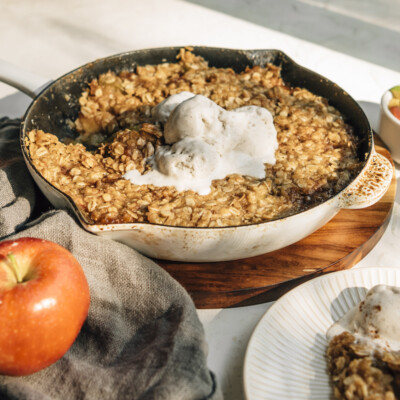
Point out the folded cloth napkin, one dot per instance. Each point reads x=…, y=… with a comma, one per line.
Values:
x=142, y=338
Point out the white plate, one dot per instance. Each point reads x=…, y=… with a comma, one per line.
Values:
x=285, y=357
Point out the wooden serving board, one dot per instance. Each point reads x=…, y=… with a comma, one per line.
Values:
x=340, y=244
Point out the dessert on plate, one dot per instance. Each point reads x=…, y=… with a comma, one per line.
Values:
x=364, y=348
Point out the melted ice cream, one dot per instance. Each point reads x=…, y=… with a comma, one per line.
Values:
x=206, y=142
x=375, y=320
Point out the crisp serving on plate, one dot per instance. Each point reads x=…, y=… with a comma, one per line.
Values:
x=364, y=348
x=314, y=157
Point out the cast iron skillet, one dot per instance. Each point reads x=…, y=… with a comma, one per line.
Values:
x=59, y=102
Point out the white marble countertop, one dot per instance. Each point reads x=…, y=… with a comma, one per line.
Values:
x=355, y=44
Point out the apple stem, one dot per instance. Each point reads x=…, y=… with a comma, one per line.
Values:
x=14, y=265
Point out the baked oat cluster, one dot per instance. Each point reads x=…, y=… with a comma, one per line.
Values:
x=359, y=373
x=316, y=157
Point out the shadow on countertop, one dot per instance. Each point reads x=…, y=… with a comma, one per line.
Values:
x=368, y=30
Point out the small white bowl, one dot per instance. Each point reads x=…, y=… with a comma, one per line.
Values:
x=389, y=128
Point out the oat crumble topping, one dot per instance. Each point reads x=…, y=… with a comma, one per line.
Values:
x=357, y=373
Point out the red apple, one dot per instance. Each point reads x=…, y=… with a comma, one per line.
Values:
x=44, y=301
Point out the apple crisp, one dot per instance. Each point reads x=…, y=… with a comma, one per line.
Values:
x=360, y=373
x=316, y=157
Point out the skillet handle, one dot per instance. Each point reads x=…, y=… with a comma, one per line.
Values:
x=21, y=79
x=371, y=184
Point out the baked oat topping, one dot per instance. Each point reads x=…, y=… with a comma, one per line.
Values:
x=316, y=157
x=357, y=373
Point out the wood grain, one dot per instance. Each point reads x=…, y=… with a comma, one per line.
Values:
x=340, y=244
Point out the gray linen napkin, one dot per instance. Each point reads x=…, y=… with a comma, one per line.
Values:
x=142, y=339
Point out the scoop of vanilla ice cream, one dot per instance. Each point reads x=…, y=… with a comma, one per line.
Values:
x=201, y=118
x=189, y=164
x=247, y=129
x=376, y=319
x=188, y=158
x=162, y=111
x=207, y=143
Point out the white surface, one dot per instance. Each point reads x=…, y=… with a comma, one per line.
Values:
x=286, y=354
x=350, y=39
